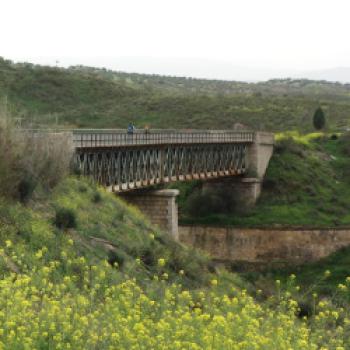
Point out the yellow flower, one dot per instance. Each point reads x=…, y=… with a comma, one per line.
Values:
x=327, y=273
x=161, y=262
x=39, y=254
x=342, y=287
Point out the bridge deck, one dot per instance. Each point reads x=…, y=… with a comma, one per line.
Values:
x=120, y=138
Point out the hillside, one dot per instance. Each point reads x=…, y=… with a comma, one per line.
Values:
x=81, y=270
x=306, y=184
x=101, y=227
x=98, y=98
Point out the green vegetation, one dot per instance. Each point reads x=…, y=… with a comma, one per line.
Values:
x=319, y=119
x=80, y=269
x=327, y=278
x=98, y=98
x=113, y=281
x=30, y=160
x=306, y=184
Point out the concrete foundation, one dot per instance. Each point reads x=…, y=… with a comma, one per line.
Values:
x=159, y=206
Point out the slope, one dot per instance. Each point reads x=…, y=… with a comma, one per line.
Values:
x=97, y=98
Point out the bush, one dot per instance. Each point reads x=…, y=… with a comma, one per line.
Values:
x=96, y=198
x=208, y=201
x=65, y=218
x=289, y=145
x=28, y=159
x=319, y=119
x=26, y=188
x=116, y=258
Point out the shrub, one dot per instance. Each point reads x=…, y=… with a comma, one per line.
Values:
x=96, y=198
x=83, y=188
x=289, y=145
x=207, y=201
x=26, y=188
x=65, y=218
x=319, y=119
x=116, y=258
x=28, y=159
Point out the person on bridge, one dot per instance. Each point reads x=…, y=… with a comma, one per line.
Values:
x=131, y=128
x=146, y=129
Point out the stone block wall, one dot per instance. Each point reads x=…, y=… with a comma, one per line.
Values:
x=265, y=246
x=159, y=206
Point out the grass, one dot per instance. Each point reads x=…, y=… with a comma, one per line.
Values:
x=106, y=229
x=306, y=184
x=325, y=278
x=112, y=280
x=92, y=98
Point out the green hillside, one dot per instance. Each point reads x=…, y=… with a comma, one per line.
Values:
x=81, y=270
x=101, y=226
x=307, y=183
x=89, y=97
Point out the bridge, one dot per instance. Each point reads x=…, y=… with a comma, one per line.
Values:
x=127, y=163
x=132, y=161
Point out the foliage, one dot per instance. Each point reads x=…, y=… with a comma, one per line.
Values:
x=29, y=159
x=108, y=231
x=96, y=197
x=26, y=187
x=69, y=303
x=204, y=201
x=114, y=281
x=93, y=98
x=319, y=119
x=307, y=183
x=65, y=218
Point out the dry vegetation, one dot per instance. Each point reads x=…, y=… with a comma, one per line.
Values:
x=29, y=159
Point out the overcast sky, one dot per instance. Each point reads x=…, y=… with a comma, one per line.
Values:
x=208, y=38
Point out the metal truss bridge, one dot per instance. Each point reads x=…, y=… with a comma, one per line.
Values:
x=125, y=161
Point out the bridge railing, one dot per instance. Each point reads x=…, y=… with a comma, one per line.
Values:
x=120, y=138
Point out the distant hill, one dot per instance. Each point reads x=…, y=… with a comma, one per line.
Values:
x=340, y=74
x=89, y=97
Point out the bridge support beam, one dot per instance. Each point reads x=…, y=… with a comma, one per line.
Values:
x=259, y=154
x=159, y=206
x=245, y=190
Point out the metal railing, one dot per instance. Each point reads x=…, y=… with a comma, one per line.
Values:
x=83, y=138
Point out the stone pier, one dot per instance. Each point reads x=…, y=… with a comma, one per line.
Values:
x=246, y=189
x=159, y=206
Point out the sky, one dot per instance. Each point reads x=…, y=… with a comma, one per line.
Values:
x=203, y=38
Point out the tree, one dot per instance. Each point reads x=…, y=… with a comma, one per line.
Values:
x=319, y=119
